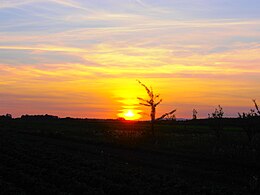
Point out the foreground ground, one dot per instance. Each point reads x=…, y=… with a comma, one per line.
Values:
x=34, y=161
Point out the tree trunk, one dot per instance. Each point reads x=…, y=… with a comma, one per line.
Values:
x=152, y=123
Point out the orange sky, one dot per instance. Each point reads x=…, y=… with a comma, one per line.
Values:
x=82, y=58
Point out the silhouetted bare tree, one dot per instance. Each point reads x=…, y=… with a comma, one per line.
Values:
x=153, y=101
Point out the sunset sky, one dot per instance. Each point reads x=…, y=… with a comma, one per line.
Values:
x=81, y=58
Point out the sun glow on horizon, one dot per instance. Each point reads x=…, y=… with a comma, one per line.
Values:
x=129, y=114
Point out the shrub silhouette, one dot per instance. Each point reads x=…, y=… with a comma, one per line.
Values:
x=216, y=119
x=250, y=122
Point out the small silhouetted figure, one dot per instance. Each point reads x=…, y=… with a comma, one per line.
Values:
x=194, y=114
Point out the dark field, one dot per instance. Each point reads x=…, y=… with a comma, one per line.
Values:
x=67, y=156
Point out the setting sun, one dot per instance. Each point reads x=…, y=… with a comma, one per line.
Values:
x=130, y=114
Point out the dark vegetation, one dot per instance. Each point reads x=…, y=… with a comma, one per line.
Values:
x=216, y=120
x=250, y=122
x=51, y=155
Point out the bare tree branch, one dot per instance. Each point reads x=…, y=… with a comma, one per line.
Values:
x=146, y=88
x=256, y=106
x=166, y=114
x=158, y=103
x=145, y=104
x=141, y=99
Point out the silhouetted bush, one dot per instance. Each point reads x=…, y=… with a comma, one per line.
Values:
x=216, y=121
x=251, y=122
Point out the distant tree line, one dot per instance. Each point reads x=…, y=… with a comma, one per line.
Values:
x=6, y=117
x=30, y=117
x=39, y=117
